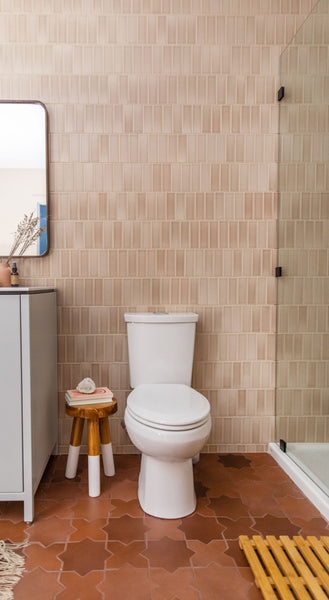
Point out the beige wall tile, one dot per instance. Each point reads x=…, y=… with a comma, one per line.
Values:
x=163, y=127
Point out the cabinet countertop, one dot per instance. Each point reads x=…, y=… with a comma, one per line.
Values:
x=26, y=290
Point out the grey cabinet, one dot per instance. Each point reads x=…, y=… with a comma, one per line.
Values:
x=28, y=393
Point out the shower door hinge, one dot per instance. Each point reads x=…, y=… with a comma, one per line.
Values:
x=278, y=271
x=283, y=446
x=280, y=93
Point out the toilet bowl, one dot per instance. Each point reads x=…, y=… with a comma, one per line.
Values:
x=169, y=424
x=167, y=420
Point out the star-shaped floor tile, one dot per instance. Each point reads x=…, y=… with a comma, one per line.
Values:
x=84, y=556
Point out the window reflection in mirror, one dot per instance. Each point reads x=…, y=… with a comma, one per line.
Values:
x=23, y=172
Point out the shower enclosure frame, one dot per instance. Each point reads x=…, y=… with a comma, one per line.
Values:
x=303, y=152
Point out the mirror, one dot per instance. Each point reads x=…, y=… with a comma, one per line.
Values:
x=23, y=174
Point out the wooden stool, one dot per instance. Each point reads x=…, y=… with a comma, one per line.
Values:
x=98, y=428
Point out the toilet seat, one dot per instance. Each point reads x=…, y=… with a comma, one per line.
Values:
x=167, y=406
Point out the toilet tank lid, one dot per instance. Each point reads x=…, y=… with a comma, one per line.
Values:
x=161, y=317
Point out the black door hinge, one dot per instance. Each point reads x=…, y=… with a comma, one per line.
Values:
x=278, y=271
x=283, y=446
x=280, y=93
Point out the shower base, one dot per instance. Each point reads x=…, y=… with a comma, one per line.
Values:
x=307, y=465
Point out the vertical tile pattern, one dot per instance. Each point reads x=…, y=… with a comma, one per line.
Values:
x=303, y=324
x=163, y=124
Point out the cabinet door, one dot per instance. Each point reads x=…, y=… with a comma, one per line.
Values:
x=11, y=472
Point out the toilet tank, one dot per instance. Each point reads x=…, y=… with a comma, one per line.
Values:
x=160, y=347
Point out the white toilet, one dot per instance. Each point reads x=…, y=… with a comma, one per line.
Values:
x=166, y=419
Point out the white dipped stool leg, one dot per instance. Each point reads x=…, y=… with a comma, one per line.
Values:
x=106, y=445
x=93, y=458
x=74, y=448
x=108, y=462
x=94, y=486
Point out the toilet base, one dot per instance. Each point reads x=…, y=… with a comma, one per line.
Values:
x=166, y=488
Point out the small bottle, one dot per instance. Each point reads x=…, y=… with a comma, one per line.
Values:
x=14, y=277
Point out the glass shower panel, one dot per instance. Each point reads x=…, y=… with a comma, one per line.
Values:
x=302, y=394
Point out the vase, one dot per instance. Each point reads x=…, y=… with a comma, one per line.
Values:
x=5, y=272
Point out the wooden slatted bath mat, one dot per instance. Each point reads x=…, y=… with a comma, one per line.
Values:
x=287, y=568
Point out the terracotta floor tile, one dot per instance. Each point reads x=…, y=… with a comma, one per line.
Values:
x=82, y=472
x=209, y=479
x=225, y=506
x=106, y=484
x=232, y=529
x=49, y=532
x=200, y=489
x=317, y=526
x=12, y=511
x=273, y=474
x=124, y=462
x=259, y=459
x=37, y=585
x=221, y=583
x=205, y=554
x=53, y=508
x=120, y=508
x=234, y=461
x=42, y=489
x=47, y=558
x=126, y=529
x=168, y=554
x=271, y=525
x=92, y=508
x=81, y=588
x=197, y=527
x=209, y=470
x=127, y=583
x=106, y=548
x=207, y=462
x=295, y=508
x=84, y=556
x=124, y=490
x=223, y=488
x=52, y=466
x=234, y=552
x=245, y=475
x=174, y=586
x=65, y=490
x=88, y=529
x=203, y=508
x=253, y=593
x=159, y=528
x=287, y=488
x=258, y=497
x=126, y=554
x=13, y=532
x=58, y=472
x=127, y=467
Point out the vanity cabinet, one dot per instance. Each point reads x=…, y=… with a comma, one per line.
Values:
x=28, y=398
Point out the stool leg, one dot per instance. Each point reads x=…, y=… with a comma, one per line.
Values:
x=106, y=445
x=93, y=458
x=74, y=449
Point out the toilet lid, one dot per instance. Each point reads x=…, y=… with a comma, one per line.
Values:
x=168, y=405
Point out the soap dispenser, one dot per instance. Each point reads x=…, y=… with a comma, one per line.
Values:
x=14, y=277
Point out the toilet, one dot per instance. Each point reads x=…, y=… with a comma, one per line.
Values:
x=166, y=419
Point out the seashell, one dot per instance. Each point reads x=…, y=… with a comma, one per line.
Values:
x=86, y=386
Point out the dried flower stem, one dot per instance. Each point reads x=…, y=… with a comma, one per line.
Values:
x=27, y=232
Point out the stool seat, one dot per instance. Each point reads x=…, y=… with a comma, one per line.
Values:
x=92, y=411
x=96, y=416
